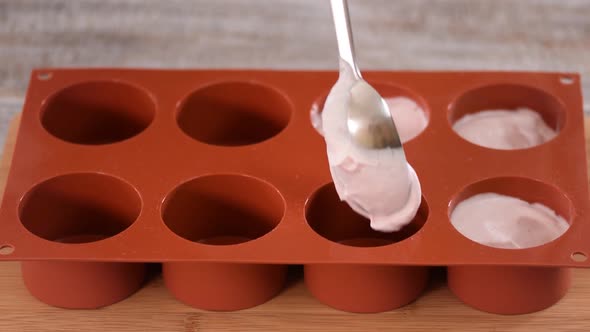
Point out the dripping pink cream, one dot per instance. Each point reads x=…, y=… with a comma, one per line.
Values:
x=377, y=184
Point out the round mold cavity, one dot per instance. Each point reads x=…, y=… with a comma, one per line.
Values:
x=223, y=286
x=82, y=285
x=509, y=290
x=529, y=190
x=409, y=127
x=365, y=288
x=223, y=209
x=95, y=113
x=508, y=97
x=234, y=113
x=80, y=207
x=335, y=221
x=360, y=288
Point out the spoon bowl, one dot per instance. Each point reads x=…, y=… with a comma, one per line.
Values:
x=369, y=120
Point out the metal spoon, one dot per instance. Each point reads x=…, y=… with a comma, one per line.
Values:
x=369, y=121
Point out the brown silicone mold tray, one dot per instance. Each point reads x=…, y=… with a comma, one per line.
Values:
x=220, y=176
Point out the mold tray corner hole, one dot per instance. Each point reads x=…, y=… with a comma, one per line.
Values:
x=6, y=249
x=579, y=257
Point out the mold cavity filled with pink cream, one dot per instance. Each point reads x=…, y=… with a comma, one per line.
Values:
x=502, y=221
x=498, y=220
x=504, y=129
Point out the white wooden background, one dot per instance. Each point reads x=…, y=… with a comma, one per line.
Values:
x=390, y=34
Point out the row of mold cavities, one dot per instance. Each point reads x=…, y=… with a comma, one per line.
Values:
x=352, y=288
x=238, y=113
x=214, y=210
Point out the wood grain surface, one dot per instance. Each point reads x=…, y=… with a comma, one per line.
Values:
x=292, y=34
x=154, y=309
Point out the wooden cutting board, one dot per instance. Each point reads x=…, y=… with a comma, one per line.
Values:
x=154, y=309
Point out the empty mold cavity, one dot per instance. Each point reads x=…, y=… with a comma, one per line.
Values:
x=365, y=288
x=82, y=285
x=223, y=286
x=336, y=221
x=490, y=227
x=234, y=113
x=358, y=287
x=79, y=208
x=409, y=110
x=223, y=209
x=95, y=113
x=524, y=132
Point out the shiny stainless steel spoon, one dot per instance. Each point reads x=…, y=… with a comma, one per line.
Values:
x=369, y=121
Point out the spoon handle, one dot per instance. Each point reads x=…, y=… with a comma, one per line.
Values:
x=344, y=34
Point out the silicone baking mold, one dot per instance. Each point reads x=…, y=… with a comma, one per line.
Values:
x=220, y=176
